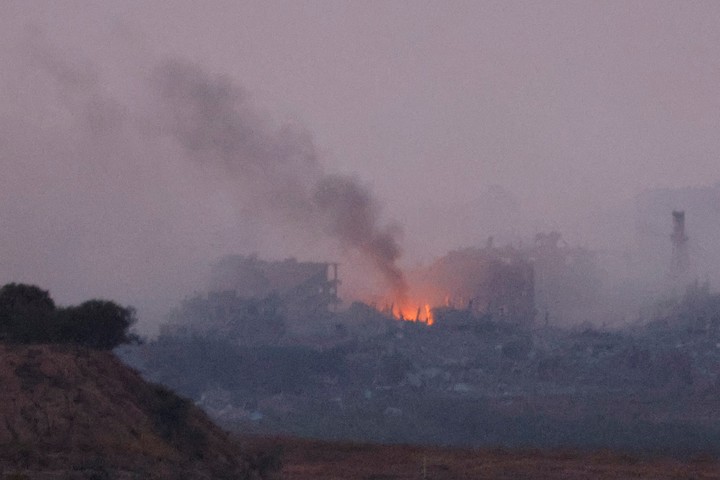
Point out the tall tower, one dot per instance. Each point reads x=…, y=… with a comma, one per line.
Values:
x=680, y=261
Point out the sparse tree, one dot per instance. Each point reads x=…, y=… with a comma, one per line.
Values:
x=28, y=315
x=100, y=324
x=26, y=312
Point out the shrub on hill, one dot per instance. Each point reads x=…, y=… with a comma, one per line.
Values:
x=29, y=315
x=25, y=313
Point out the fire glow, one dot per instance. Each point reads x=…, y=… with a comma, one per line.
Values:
x=409, y=311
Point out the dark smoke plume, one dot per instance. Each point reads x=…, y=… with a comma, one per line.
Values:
x=216, y=124
x=349, y=211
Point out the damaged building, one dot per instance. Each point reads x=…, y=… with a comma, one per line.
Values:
x=548, y=281
x=257, y=301
x=485, y=281
x=302, y=287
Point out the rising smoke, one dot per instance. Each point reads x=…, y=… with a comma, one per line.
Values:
x=350, y=215
x=211, y=118
x=126, y=180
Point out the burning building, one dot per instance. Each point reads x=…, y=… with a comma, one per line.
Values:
x=511, y=284
x=499, y=282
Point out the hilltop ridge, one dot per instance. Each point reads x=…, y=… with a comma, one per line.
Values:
x=72, y=412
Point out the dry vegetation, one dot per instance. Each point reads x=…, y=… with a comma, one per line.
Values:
x=318, y=460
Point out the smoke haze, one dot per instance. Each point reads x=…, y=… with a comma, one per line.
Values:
x=141, y=142
x=210, y=120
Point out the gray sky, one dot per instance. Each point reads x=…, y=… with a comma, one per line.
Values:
x=464, y=119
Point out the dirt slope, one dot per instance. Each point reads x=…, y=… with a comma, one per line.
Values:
x=67, y=412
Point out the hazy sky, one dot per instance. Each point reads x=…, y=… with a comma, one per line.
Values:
x=462, y=119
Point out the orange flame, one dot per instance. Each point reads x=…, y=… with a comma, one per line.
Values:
x=409, y=312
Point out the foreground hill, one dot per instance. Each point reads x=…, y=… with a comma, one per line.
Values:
x=70, y=412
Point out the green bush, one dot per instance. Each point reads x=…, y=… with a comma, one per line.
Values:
x=28, y=315
x=97, y=324
x=25, y=311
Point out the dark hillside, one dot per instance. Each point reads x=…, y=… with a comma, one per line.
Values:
x=70, y=412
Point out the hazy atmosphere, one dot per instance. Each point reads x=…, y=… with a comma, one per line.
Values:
x=141, y=141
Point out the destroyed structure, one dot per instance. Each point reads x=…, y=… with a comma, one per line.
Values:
x=568, y=281
x=256, y=301
x=484, y=281
x=302, y=287
x=548, y=282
